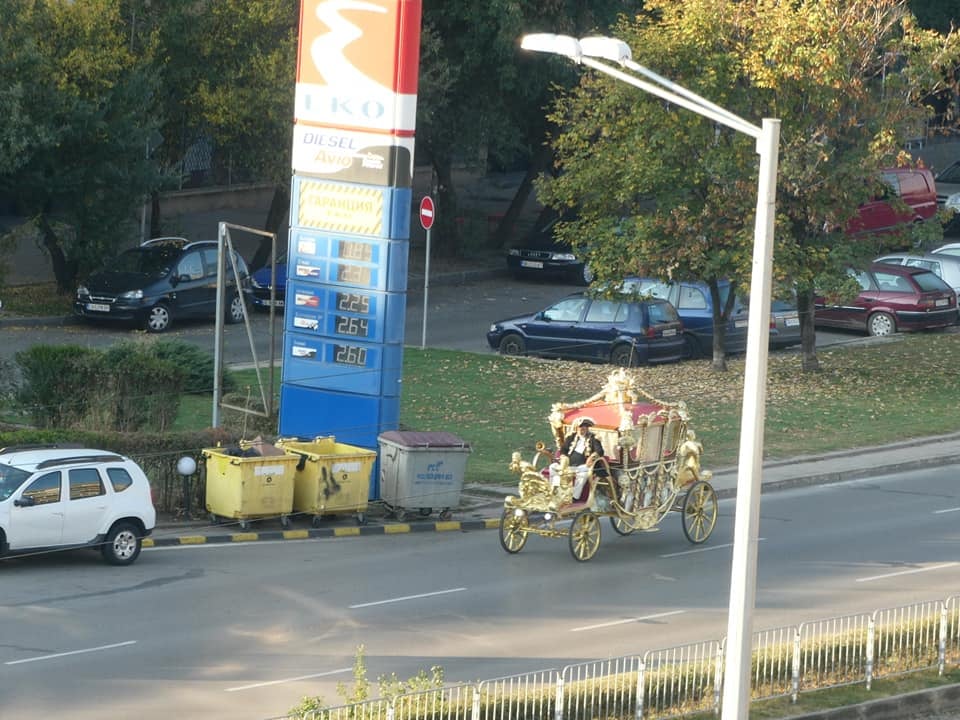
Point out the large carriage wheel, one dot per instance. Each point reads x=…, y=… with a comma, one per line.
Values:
x=584, y=535
x=513, y=530
x=621, y=526
x=699, y=512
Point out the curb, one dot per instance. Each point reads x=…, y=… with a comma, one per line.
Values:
x=313, y=533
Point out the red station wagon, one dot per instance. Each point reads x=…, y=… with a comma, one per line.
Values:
x=892, y=298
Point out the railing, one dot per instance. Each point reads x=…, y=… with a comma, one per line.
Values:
x=678, y=681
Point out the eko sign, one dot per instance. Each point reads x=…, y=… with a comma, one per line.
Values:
x=347, y=254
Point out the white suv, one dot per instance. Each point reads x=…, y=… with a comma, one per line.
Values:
x=57, y=496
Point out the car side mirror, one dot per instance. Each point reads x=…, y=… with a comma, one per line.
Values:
x=25, y=501
x=540, y=316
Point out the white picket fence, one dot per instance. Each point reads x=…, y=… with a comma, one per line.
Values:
x=675, y=682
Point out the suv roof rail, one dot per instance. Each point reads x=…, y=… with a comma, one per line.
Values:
x=40, y=446
x=77, y=459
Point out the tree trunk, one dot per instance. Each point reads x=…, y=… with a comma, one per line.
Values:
x=504, y=230
x=155, y=219
x=279, y=207
x=63, y=271
x=808, y=336
x=448, y=221
x=720, y=315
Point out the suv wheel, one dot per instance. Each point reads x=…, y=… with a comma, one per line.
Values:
x=122, y=544
x=159, y=319
x=235, y=312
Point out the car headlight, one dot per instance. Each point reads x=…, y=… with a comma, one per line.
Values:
x=255, y=284
x=564, y=256
x=132, y=295
x=82, y=292
x=513, y=251
x=494, y=328
x=953, y=202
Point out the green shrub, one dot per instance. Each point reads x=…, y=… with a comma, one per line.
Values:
x=57, y=382
x=196, y=364
x=139, y=389
x=126, y=387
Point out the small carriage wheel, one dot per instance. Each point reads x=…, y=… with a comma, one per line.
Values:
x=584, y=536
x=699, y=512
x=513, y=530
x=621, y=526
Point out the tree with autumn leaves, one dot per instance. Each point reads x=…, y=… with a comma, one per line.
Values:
x=662, y=191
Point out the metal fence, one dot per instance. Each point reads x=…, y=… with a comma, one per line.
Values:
x=678, y=681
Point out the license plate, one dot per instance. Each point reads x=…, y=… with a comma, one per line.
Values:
x=792, y=322
x=531, y=264
x=741, y=323
x=98, y=307
x=273, y=303
x=943, y=302
x=670, y=332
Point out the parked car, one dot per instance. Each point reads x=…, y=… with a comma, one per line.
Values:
x=69, y=497
x=914, y=186
x=620, y=331
x=948, y=186
x=161, y=280
x=948, y=249
x=892, y=298
x=540, y=255
x=258, y=291
x=943, y=265
x=694, y=305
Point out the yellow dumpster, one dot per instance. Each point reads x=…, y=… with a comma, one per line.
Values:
x=331, y=478
x=249, y=482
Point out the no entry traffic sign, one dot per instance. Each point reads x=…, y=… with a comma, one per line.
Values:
x=426, y=212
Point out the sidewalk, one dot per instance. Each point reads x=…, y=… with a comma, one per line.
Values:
x=481, y=505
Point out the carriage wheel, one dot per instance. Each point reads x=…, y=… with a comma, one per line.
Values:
x=513, y=530
x=621, y=526
x=699, y=512
x=584, y=536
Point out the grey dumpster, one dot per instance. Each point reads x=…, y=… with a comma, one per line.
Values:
x=421, y=471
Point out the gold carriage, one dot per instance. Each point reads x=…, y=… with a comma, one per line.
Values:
x=651, y=465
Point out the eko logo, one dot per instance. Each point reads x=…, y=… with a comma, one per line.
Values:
x=358, y=63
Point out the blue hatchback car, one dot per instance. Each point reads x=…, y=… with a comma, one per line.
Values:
x=695, y=308
x=258, y=292
x=619, y=331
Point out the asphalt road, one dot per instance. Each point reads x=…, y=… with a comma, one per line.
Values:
x=244, y=631
x=457, y=318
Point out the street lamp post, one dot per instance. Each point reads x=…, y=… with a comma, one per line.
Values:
x=590, y=51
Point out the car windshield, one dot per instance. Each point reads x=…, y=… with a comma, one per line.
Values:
x=10, y=479
x=151, y=261
x=929, y=282
x=951, y=174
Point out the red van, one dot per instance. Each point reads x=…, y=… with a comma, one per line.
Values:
x=914, y=186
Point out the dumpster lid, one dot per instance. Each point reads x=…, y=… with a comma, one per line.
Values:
x=414, y=438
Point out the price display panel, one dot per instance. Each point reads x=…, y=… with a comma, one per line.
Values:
x=341, y=312
x=360, y=262
x=349, y=364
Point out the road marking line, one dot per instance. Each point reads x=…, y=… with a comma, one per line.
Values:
x=406, y=597
x=946, y=510
x=286, y=680
x=628, y=620
x=906, y=572
x=702, y=549
x=72, y=652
